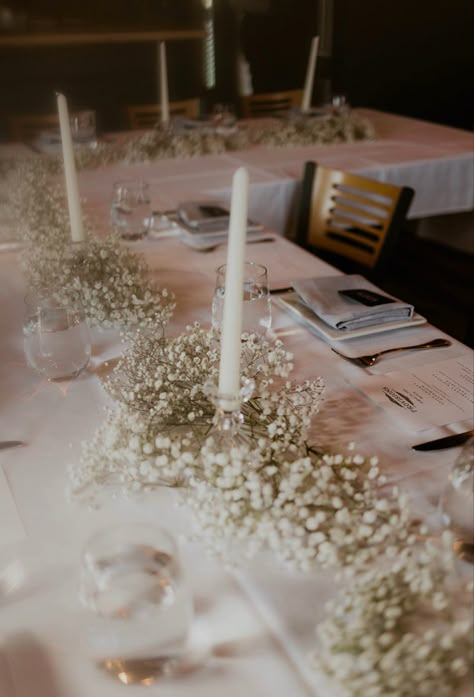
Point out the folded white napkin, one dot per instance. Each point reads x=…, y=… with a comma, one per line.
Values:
x=323, y=296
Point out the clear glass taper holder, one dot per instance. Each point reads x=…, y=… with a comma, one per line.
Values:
x=226, y=430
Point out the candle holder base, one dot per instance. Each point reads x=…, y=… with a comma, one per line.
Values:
x=228, y=417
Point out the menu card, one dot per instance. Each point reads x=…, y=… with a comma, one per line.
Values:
x=436, y=394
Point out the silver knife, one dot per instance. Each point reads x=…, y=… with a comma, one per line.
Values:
x=4, y=444
x=446, y=442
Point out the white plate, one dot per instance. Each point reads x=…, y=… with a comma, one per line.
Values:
x=291, y=302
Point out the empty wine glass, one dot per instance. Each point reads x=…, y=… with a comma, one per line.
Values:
x=457, y=503
x=131, y=211
x=131, y=579
x=56, y=338
x=256, y=309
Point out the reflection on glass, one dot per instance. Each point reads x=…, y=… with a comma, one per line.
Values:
x=256, y=310
x=56, y=339
x=457, y=502
x=131, y=579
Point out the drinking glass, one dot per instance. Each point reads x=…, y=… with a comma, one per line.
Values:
x=457, y=502
x=131, y=211
x=223, y=116
x=257, y=310
x=56, y=338
x=131, y=579
x=83, y=127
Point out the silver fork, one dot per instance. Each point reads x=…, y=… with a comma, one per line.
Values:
x=367, y=361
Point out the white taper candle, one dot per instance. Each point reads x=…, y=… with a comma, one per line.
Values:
x=310, y=72
x=231, y=329
x=72, y=188
x=164, y=99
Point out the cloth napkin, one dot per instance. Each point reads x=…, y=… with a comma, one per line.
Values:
x=323, y=297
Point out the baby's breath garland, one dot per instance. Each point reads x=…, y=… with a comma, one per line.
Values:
x=166, y=142
x=273, y=489
x=402, y=629
x=108, y=279
x=395, y=632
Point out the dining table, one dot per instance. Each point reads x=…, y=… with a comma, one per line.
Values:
x=433, y=159
x=256, y=620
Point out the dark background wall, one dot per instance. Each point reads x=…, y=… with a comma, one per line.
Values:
x=405, y=56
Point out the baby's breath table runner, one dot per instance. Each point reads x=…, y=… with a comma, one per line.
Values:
x=279, y=489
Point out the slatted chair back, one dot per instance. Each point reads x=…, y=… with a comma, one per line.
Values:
x=25, y=128
x=350, y=219
x=147, y=115
x=269, y=103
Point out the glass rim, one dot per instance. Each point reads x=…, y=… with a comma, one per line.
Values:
x=260, y=269
x=38, y=301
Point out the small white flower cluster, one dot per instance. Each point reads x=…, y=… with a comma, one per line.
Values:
x=107, y=279
x=164, y=413
x=310, y=509
x=164, y=142
x=400, y=631
x=322, y=129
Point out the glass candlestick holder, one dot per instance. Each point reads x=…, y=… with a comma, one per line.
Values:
x=228, y=418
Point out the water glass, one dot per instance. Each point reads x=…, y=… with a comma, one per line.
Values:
x=257, y=309
x=56, y=339
x=83, y=127
x=131, y=579
x=223, y=116
x=131, y=211
x=457, y=502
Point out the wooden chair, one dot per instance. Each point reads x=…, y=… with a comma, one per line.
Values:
x=147, y=115
x=26, y=127
x=349, y=220
x=269, y=103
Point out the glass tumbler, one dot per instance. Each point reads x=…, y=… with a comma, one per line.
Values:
x=457, y=502
x=83, y=127
x=257, y=309
x=131, y=579
x=131, y=210
x=56, y=339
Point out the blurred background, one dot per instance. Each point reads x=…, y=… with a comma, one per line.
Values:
x=411, y=58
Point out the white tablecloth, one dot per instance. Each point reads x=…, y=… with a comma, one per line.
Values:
x=260, y=624
x=437, y=161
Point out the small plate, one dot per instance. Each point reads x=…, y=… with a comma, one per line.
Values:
x=291, y=302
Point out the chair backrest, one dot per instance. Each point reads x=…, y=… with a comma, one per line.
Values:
x=26, y=127
x=270, y=103
x=147, y=115
x=350, y=218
